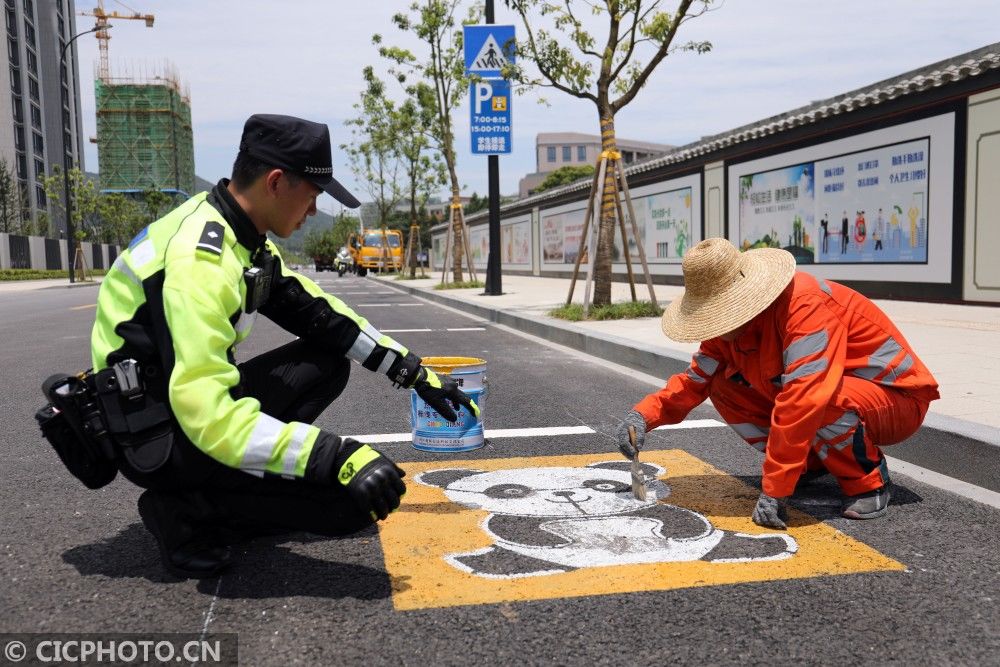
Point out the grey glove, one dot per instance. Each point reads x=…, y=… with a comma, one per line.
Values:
x=636, y=420
x=770, y=512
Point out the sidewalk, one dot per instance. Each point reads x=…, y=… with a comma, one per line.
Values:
x=959, y=344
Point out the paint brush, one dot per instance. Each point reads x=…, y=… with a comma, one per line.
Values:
x=638, y=483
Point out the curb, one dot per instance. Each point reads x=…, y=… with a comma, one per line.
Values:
x=651, y=359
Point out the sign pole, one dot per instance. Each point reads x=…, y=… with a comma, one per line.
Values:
x=493, y=276
x=489, y=48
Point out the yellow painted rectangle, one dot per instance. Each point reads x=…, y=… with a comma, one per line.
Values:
x=428, y=526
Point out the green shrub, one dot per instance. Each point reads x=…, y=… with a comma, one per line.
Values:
x=614, y=311
x=462, y=285
x=41, y=274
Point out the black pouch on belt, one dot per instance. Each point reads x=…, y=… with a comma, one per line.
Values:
x=73, y=425
x=140, y=423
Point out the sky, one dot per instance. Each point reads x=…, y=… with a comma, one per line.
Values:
x=305, y=58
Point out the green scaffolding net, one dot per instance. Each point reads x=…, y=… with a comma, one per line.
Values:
x=144, y=138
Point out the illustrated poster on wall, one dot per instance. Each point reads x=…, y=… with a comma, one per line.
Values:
x=437, y=245
x=665, y=227
x=561, y=237
x=479, y=244
x=866, y=206
x=515, y=243
x=873, y=205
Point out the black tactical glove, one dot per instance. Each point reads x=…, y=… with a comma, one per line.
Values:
x=371, y=478
x=441, y=393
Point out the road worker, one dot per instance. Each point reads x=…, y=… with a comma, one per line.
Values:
x=804, y=369
x=226, y=449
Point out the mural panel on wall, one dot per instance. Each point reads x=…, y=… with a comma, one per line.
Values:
x=867, y=206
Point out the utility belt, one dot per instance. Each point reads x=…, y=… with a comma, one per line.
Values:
x=94, y=419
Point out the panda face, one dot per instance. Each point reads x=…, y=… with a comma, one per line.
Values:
x=552, y=492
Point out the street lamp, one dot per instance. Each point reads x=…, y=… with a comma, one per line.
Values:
x=68, y=155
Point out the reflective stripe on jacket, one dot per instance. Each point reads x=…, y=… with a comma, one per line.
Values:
x=795, y=354
x=177, y=302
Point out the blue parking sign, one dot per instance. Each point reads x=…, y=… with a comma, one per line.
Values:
x=490, y=118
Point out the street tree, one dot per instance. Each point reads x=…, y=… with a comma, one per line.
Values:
x=10, y=200
x=321, y=244
x=84, y=197
x=156, y=202
x=570, y=58
x=564, y=176
x=373, y=152
x=120, y=217
x=441, y=66
x=344, y=224
x=424, y=169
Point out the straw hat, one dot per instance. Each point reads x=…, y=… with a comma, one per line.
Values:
x=725, y=288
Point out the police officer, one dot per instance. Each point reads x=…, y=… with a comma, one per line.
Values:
x=240, y=456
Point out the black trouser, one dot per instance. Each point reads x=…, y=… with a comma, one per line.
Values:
x=294, y=382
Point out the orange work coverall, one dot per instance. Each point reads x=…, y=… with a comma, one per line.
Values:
x=821, y=378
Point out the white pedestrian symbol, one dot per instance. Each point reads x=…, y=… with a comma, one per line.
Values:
x=490, y=56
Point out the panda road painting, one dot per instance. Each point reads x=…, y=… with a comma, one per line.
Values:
x=501, y=530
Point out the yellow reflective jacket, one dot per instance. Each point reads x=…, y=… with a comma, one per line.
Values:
x=176, y=299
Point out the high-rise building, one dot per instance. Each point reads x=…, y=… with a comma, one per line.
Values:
x=40, y=115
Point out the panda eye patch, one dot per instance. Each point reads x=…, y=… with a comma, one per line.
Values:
x=508, y=491
x=607, y=485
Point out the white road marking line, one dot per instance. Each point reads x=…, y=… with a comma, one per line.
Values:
x=384, y=305
x=489, y=433
x=937, y=480
x=429, y=330
x=529, y=432
x=691, y=423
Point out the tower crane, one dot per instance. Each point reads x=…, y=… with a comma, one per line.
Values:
x=104, y=70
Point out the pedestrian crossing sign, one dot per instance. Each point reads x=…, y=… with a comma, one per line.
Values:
x=488, y=49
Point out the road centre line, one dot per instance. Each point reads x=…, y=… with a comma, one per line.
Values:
x=89, y=305
x=929, y=477
x=526, y=432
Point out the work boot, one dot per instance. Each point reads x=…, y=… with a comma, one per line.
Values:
x=187, y=550
x=869, y=505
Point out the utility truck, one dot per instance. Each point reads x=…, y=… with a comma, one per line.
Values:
x=376, y=249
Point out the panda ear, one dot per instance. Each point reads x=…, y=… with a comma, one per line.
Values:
x=442, y=478
x=648, y=469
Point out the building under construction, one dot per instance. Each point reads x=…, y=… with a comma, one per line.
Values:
x=144, y=138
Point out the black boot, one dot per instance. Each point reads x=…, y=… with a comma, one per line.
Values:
x=188, y=550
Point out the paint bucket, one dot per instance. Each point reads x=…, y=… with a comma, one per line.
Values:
x=431, y=432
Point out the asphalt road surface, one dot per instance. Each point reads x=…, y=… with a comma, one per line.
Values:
x=527, y=550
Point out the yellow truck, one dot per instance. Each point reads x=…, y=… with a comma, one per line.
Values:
x=376, y=249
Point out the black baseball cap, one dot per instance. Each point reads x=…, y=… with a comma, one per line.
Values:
x=300, y=146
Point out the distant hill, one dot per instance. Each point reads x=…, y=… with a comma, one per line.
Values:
x=321, y=221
